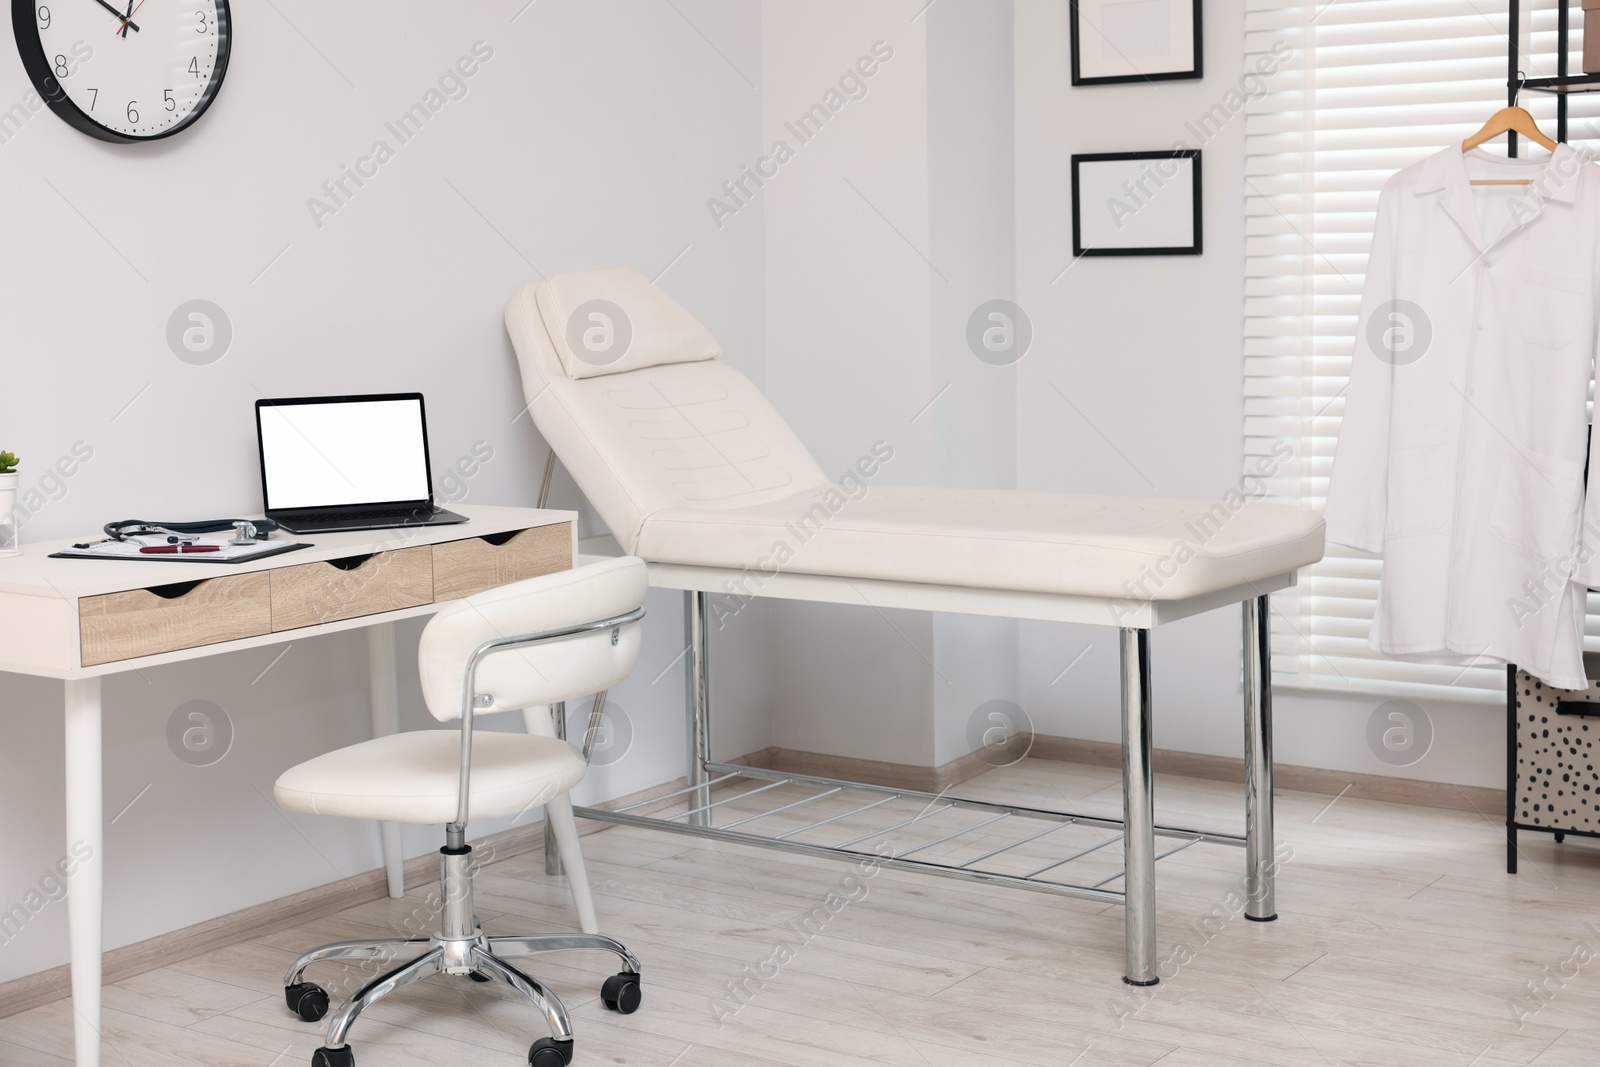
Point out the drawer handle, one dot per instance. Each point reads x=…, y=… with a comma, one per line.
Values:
x=1577, y=707
x=350, y=563
x=175, y=591
x=498, y=539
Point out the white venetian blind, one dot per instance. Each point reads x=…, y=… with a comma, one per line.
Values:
x=1371, y=86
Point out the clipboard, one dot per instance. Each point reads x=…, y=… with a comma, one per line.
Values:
x=225, y=553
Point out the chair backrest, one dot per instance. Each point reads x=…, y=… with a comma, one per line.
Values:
x=543, y=673
x=627, y=387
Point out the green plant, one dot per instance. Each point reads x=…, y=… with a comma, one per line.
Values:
x=8, y=463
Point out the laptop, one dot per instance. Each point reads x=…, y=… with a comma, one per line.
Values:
x=331, y=463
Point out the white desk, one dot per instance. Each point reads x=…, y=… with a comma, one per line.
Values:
x=80, y=620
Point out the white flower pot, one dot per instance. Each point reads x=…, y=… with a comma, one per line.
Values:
x=8, y=515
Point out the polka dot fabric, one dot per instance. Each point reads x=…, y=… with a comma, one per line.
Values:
x=1558, y=764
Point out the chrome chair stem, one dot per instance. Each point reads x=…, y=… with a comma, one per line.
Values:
x=552, y=850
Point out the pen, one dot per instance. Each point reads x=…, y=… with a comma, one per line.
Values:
x=172, y=550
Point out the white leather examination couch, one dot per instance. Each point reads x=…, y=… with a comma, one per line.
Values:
x=695, y=471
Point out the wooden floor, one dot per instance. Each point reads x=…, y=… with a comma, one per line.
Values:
x=1401, y=942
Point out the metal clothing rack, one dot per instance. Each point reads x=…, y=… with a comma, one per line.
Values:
x=1562, y=85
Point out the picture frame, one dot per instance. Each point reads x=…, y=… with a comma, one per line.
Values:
x=1137, y=203
x=1120, y=41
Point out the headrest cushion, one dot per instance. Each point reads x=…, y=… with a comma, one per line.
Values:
x=614, y=320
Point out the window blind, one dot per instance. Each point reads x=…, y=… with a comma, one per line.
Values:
x=1371, y=86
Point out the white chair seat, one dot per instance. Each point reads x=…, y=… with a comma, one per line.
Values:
x=1160, y=549
x=414, y=777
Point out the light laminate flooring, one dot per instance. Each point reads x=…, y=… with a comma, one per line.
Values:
x=1401, y=942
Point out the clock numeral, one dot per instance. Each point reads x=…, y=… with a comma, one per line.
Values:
x=44, y=17
x=133, y=112
x=61, y=68
x=194, y=66
x=93, y=98
x=202, y=28
x=172, y=105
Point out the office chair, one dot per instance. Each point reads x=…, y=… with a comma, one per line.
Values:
x=520, y=646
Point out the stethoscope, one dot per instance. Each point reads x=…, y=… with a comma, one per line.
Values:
x=245, y=531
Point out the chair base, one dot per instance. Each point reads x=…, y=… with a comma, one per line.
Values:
x=471, y=952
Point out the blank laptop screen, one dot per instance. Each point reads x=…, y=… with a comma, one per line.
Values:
x=343, y=453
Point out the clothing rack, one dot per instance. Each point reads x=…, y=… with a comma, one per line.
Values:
x=1564, y=83
x=1561, y=85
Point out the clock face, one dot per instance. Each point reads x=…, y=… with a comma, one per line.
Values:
x=124, y=71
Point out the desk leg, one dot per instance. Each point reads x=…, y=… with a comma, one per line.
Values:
x=385, y=689
x=85, y=837
x=696, y=625
x=1260, y=865
x=1138, y=812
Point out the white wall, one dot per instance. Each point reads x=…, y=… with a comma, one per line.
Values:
x=1149, y=352
x=883, y=235
x=848, y=337
x=592, y=136
x=1132, y=384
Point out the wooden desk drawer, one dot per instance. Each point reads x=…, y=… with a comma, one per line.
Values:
x=316, y=593
x=461, y=568
x=146, y=622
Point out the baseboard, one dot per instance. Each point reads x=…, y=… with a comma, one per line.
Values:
x=36, y=989
x=891, y=775
x=55, y=984
x=1470, y=798
x=1108, y=754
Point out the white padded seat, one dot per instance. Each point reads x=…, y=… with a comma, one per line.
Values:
x=1134, y=547
x=414, y=777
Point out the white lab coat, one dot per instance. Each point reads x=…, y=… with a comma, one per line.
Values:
x=1461, y=460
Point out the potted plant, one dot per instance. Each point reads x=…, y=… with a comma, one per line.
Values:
x=8, y=505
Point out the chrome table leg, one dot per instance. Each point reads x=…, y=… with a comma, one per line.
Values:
x=1138, y=811
x=696, y=625
x=1260, y=866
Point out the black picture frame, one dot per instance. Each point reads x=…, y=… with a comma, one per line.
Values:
x=1197, y=70
x=1194, y=248
x=37, y=65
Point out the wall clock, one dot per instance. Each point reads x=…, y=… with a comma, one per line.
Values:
x=124, y=70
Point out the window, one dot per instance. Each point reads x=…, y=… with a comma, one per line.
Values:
x=1372, y=86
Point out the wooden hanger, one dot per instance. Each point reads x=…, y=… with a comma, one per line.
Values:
x=1511, y=119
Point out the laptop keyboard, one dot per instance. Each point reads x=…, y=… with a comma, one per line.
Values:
x=364, y=515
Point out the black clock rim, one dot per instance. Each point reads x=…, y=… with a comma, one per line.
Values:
x=37, y=64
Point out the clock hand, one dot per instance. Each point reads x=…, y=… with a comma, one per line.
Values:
x=128, y=21
x=115, y=12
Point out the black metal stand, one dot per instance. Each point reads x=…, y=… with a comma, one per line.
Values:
x=1511, y=761
x=1563, y=83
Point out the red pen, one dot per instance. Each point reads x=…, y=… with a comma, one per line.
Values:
x=175, y=550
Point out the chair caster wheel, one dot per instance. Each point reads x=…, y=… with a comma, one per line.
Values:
x=306, y=1000
x=621, y=993
x=333, y=1057
x=548, y=1052
x=479, y=976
